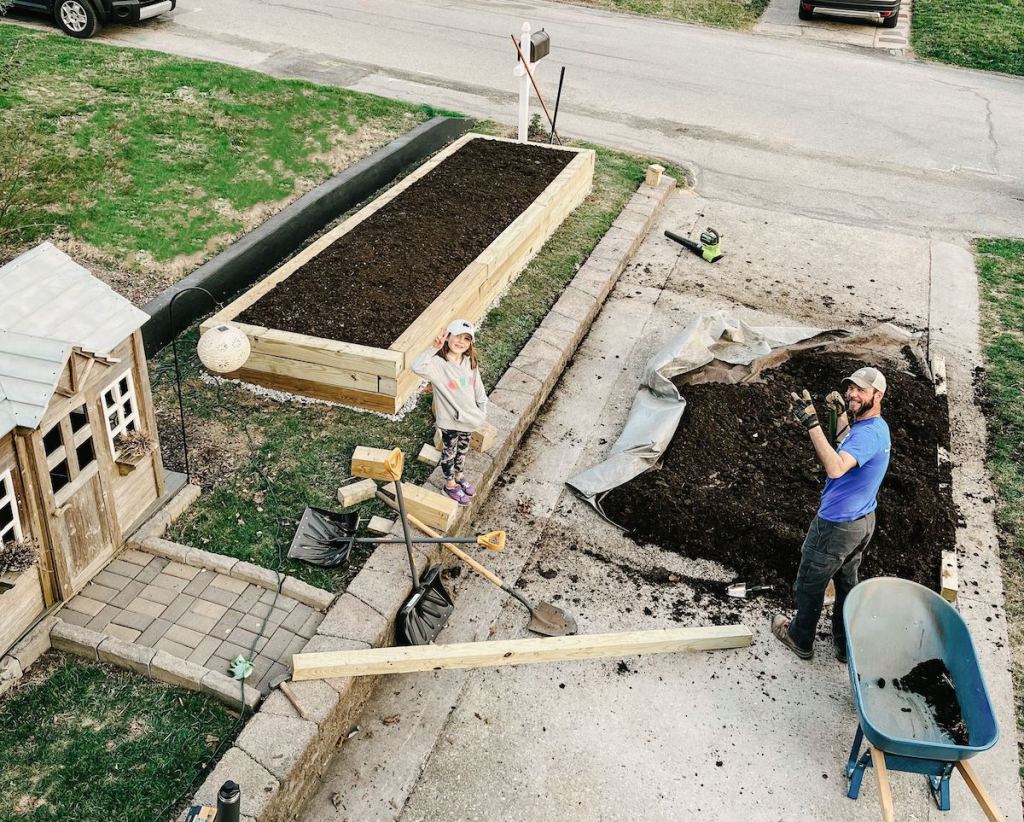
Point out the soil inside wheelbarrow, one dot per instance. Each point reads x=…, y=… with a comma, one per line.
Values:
x=371, y=283
x=931, y=680
x=740, y=483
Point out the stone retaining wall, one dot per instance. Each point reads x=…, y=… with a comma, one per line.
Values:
x=278, y=758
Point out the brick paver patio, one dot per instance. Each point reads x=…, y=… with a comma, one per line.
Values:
x=198, y=615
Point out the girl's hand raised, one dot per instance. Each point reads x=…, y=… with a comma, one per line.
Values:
x=441, y=337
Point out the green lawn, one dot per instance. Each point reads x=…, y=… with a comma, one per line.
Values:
x=1001, y=275
x=986, y=35
x=306, y=449
x=150, y=164
x=726, y=14
x=85, y=742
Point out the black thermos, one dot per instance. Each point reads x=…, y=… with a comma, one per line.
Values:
x=229, y=802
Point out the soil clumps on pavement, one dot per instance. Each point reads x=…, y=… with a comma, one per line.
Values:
x=740, y=483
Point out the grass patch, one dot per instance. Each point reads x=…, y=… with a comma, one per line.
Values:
x=155, y=163
x=725, y=14
x=306, y=449
x=1001, y=278
x=82, y=741
x=975, y=35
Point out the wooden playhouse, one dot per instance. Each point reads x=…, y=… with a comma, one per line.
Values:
x=73, y=387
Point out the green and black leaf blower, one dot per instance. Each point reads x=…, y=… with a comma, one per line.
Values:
x=708, y=248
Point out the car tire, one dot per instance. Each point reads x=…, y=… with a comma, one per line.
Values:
x=893, y=21
x=804, y=15
x=76, y=18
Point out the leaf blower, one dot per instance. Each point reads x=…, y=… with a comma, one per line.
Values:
x=708, y=248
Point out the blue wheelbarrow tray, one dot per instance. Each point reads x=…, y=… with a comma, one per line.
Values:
x=891, y=626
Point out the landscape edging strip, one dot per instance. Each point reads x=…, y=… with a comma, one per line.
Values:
x=261, y=250
x=346, y=696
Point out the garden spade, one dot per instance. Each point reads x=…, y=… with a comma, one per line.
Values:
x=741, y=590
x=545, y=618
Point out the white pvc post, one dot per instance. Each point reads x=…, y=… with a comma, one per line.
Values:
x=524, y=85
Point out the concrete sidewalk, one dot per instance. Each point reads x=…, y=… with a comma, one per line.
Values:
x=700, y=736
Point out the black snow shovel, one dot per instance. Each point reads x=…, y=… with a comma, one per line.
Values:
x=426, y=611
x=545, y=619
x=324, y=537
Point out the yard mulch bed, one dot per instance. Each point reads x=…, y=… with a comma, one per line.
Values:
x=740, y=483
x=376, y=279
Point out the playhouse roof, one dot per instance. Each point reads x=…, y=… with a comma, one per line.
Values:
x=51, y=305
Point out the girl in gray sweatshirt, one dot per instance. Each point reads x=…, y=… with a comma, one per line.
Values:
x=460, y=403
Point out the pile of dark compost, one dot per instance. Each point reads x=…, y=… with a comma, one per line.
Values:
x=740, y=482
x=371, y=283
x=931, y=680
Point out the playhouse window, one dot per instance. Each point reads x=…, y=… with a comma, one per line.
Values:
x=10, y=525
x=119, y=406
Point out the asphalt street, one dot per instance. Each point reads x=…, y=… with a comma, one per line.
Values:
x=823, y=130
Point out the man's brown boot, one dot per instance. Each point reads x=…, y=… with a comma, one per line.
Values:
x=780, y=627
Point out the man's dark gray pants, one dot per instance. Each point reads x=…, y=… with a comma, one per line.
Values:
x=831, y=550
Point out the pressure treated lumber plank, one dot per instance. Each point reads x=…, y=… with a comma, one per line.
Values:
x=341, y=355
x=369, y=400
x=374, y=661
x=323, y=374
x=432, y=508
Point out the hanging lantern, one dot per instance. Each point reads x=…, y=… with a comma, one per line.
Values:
x=223, y=349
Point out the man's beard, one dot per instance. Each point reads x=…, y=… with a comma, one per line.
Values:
x=865, y=408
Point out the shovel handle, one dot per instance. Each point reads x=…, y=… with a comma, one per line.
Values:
x=430, y=532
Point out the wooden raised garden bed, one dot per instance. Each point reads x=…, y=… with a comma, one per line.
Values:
x=345, y=318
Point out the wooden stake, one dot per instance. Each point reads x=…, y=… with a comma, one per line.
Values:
x=484, y=437
x=330, y=664
x=992, y=812
x=948, y=577
x=884, y=790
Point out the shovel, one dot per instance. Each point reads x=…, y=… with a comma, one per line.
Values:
x=741, y=590
x=426, y=611
x=545, y=618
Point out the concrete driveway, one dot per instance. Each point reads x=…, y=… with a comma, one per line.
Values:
x=753, y=733
x=781, y=20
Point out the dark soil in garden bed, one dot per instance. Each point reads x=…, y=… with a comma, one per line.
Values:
x=375, y=280
x=740, y=483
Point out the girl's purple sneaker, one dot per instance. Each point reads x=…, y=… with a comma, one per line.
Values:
x=467, y=489
x=457, y=494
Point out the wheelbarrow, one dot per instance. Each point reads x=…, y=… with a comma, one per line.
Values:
x=892, y=625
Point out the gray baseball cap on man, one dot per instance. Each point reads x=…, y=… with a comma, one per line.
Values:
x=867, y=378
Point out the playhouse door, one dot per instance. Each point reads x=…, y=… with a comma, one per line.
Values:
x=83, y=525
x=80, y=515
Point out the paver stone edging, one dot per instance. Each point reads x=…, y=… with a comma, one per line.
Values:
x=262, y=249
x=285, y=759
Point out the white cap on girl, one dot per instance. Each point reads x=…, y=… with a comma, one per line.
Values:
x=457, y=327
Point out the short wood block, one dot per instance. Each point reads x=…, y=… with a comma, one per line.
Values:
x=356, y=492
x=653, y=177
x=431, y=508
x=377, y=463
x=948, y=579
x=429, y=455
x=380, y=525
x=484, y=438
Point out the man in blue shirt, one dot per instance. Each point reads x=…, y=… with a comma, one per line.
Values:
x=845, y=521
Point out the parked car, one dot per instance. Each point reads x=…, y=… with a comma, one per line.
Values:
x=887, y=10
x=81, y=18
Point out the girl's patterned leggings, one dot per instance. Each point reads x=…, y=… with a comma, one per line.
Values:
x=454, y=447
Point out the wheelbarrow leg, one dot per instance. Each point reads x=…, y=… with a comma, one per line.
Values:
x=940, y=787
x=856, y=765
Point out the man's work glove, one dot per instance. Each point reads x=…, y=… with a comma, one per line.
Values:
x=835, y=402
x=803, y=411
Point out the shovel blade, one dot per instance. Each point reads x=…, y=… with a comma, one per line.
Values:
x=547, y=620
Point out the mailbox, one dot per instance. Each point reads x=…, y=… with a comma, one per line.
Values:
x=540, y=45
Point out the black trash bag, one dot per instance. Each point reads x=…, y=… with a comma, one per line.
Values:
x=324, y=537
x=425, y=613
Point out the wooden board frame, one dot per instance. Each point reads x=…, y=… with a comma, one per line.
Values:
x=380, y=379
